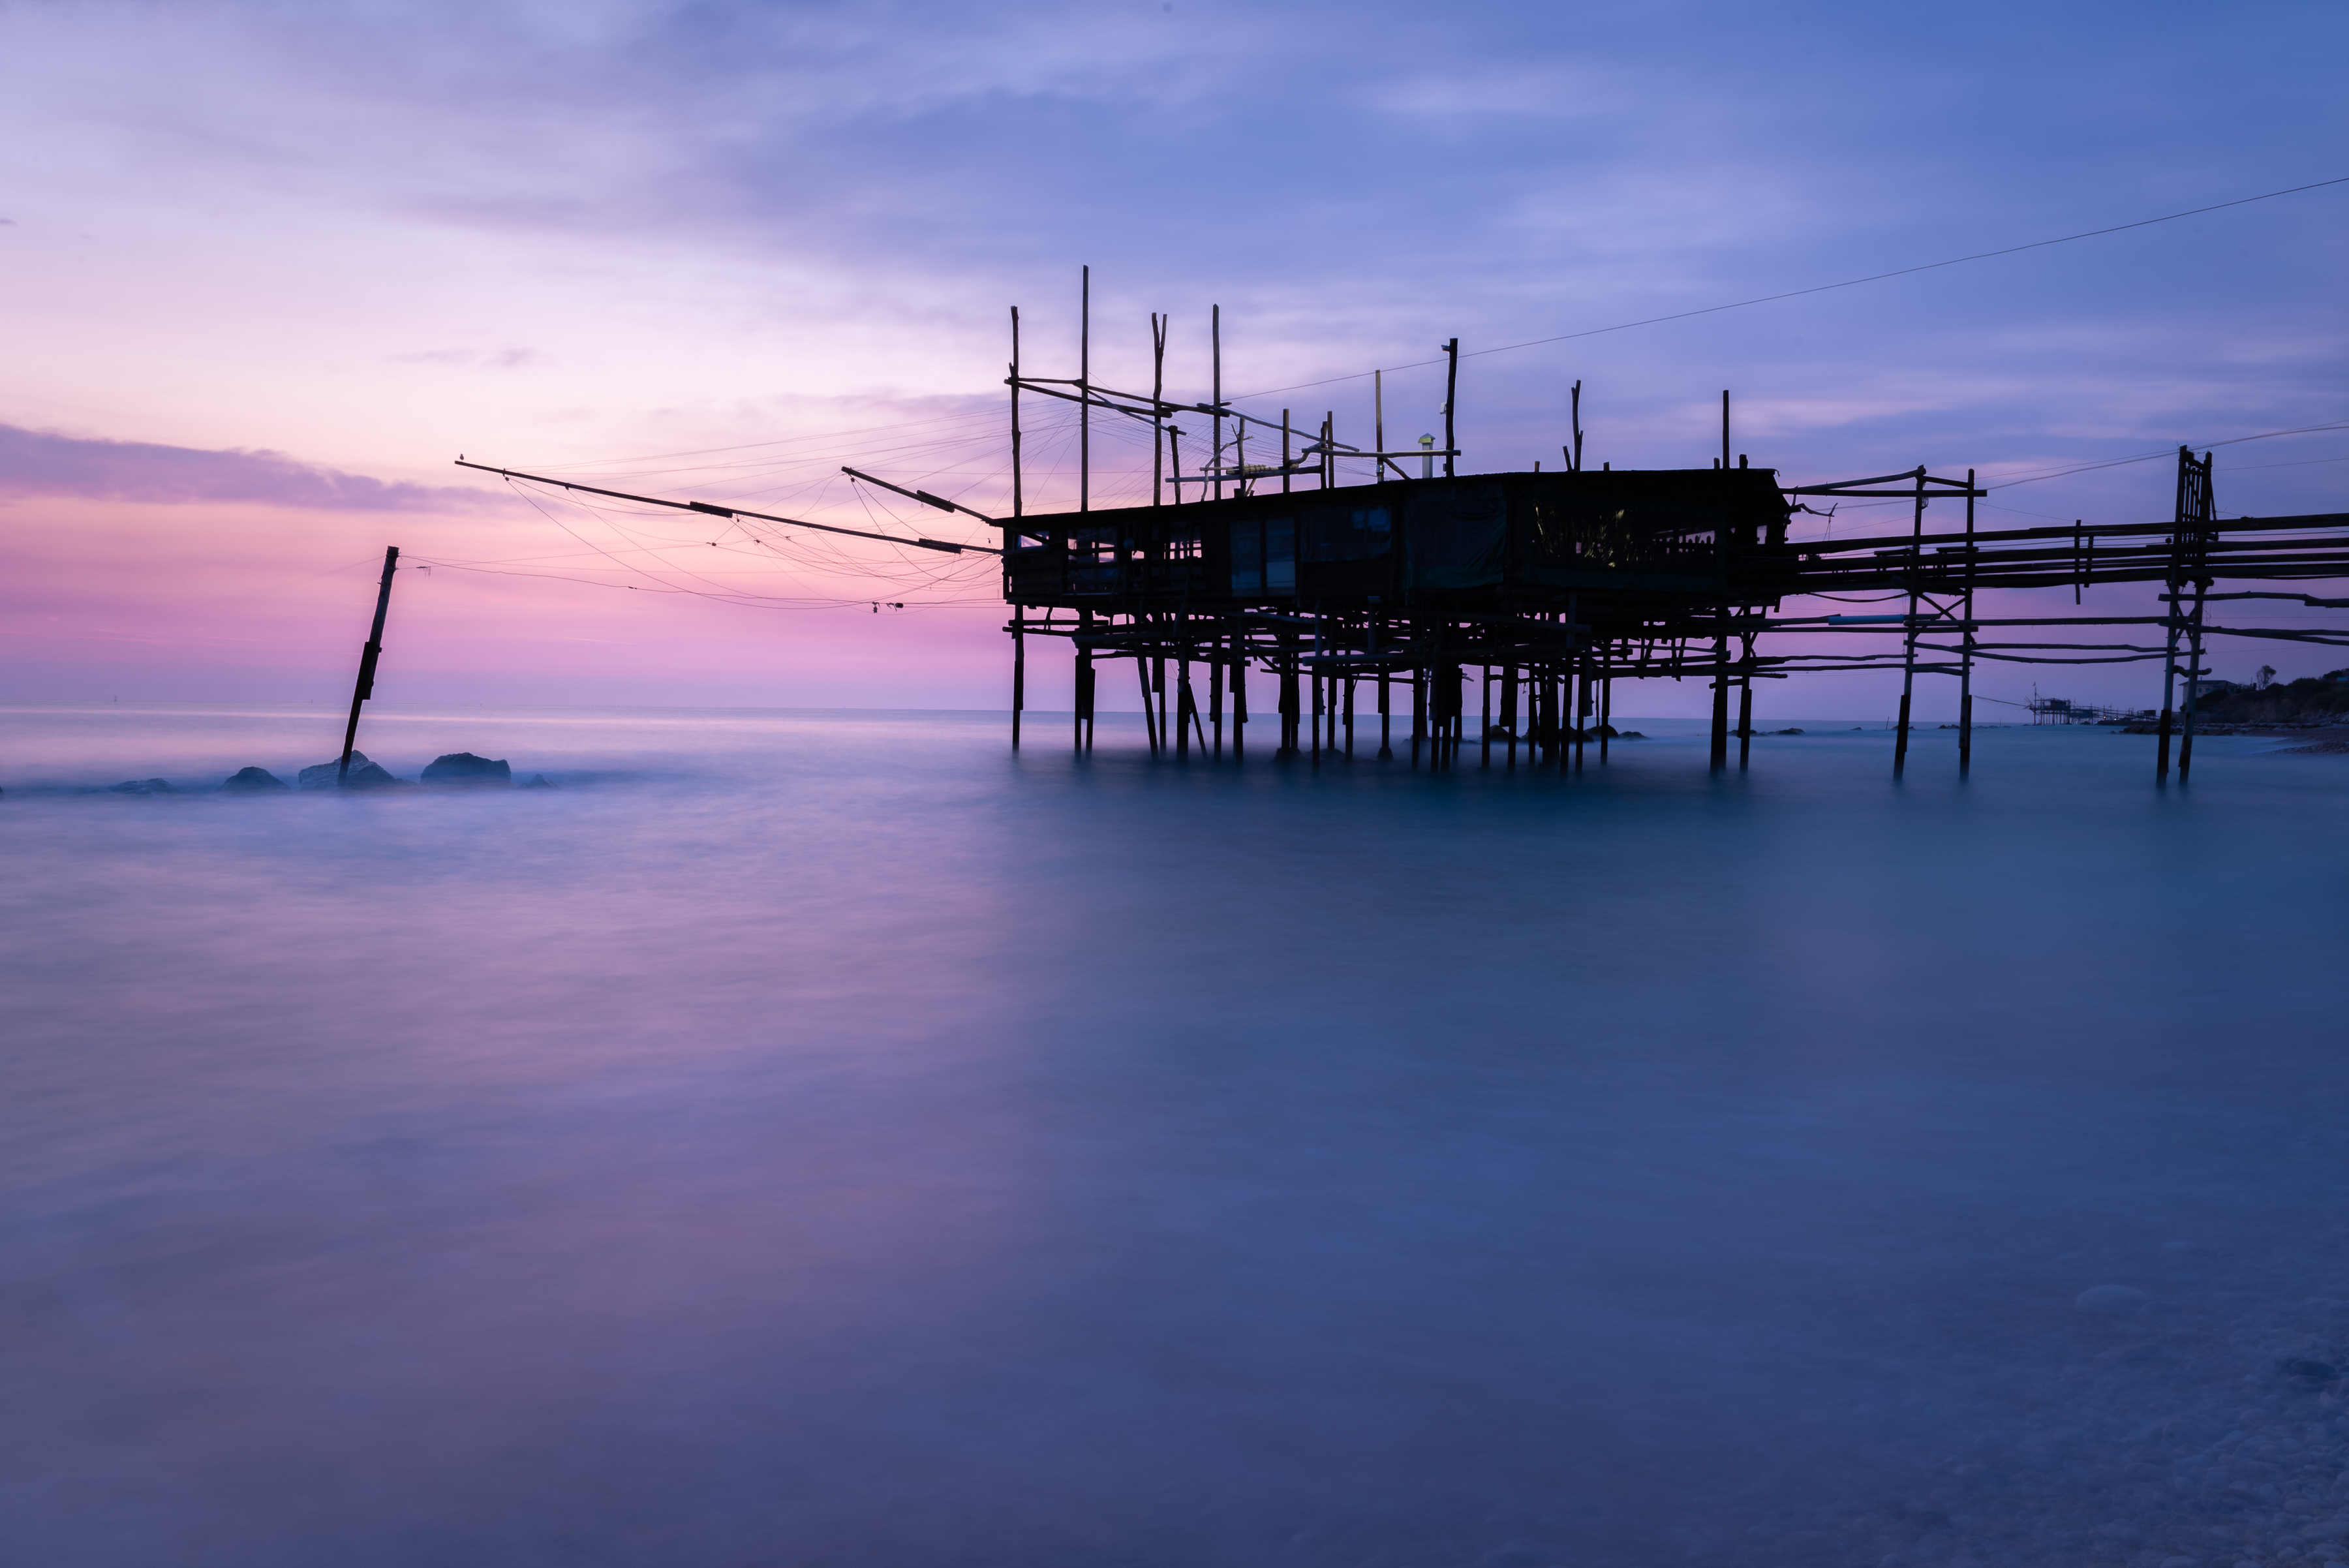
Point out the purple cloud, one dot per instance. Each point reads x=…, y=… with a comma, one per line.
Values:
x=37, y=463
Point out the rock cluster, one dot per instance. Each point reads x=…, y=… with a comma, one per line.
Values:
x=252, y=780
x=463, y=769
x=363, y=774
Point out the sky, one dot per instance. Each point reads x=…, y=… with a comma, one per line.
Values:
x=270, y=268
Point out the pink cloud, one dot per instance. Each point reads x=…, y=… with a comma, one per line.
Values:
x=37, y=463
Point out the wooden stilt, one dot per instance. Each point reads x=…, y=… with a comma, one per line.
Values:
x=1239, y=695
x=1216, y=703
x=1721, y=698
x=1909, y=663
x=1966, y=669
x=1186, y=708
x=1485, y=685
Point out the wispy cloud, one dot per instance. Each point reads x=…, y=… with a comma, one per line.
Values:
x=39, y=462
x=482, y=358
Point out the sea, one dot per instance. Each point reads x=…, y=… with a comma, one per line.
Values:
x=830, y=1138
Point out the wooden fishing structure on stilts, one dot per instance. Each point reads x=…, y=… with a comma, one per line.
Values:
x=1550, y=586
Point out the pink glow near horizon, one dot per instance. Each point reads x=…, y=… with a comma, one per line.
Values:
x=269, y=281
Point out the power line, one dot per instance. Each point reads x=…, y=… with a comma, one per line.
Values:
x=1819, y=288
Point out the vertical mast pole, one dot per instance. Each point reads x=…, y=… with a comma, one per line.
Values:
x=2203, y=510
x=1085, y=391
x=1909, y=663
x=1576, y=421
x=1216, y=352
x=1451, y=390
x=2194, y=673
x=1158, y=325
x=1724, y=427
x=367, y=658
x=1966, y=669
x=1010, y=542
x=1284, y=451
x=1378, y=420
x=2176, y=619
x=1721, y=692
x=1016, y=500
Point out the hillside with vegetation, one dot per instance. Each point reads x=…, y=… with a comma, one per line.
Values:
x=2315, y=698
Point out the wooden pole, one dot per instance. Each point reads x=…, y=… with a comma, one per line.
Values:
x=1577, y=453
x=1418, y=713
x=1451, y=391
x=1216, y=352
x=1746, y=711
x=1019, y=670
x=368, y=656
x=1485, y=685
x=1186, y=708
x=1216, y=700
x=1083, y=682
x=1386, y=734
x=1239, y=695
x=1909, y=663
x=1015, y=503
x=1724, y=427
x=1509, y=725
x=1966, y=669
x=1157, y=400
x=1606, y=714
x=1721, y=693
x=1284, y=451
x=2194, y=673
x=1149, y=707
x=1085, y=392
x=1318, y=646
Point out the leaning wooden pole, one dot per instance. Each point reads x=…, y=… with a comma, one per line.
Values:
x=367, y=658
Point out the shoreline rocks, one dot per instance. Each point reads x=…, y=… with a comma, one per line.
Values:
x=463, y=769
x=363, y=774
x=252, y=781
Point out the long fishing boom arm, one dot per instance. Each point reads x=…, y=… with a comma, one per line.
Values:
x=707, y=510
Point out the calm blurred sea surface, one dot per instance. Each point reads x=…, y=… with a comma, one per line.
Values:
x=828, y=1138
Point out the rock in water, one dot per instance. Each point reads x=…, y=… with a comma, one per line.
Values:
x=2111, y=1301
x=462, y=770
x=539, y=781
x=250, y=780
x=139, y=786
x=363, y=774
